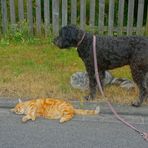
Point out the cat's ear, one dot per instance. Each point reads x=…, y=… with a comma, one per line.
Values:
x=20, y=101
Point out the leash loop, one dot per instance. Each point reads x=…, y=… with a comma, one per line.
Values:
x=143, y=134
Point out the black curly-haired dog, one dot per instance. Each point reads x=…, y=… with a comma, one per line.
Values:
x=112, y=52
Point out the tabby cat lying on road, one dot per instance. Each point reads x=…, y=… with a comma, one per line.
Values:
x=49, y=108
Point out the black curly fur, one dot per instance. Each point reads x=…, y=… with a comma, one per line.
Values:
x=112, y=52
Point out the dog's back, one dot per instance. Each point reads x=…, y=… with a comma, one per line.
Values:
x=119, y=51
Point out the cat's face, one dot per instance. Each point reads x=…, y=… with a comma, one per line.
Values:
x=19, y=109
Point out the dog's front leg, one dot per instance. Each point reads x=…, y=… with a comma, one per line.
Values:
x=92, y=82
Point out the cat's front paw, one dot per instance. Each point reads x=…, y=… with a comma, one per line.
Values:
x=24, y=119
x=62, y=120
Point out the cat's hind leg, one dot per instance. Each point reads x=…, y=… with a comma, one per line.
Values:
x=67, y=115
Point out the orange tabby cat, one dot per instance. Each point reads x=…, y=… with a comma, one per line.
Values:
x=49, y=108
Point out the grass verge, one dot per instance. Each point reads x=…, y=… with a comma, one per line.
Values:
x=42, y=70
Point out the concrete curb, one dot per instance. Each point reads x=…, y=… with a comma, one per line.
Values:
x=121, y=109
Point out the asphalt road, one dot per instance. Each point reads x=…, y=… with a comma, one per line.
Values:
x=102, y=131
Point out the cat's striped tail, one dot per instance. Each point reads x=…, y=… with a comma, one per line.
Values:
x=87, y=112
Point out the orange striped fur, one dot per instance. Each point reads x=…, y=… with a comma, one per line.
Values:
x=49, y=108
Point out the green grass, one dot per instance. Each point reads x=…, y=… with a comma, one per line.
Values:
x=40, y=69
x=37, y=63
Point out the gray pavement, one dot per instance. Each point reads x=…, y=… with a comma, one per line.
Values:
x=101, y=131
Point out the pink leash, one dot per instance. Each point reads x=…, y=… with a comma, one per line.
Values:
x=143, y=134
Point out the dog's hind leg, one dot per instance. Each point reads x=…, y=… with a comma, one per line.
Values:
x=142, y=96
x=140, y=76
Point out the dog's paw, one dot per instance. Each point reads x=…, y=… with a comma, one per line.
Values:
x=136, y=104
x=89, y=97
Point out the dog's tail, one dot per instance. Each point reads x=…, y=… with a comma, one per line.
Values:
x=87, y=112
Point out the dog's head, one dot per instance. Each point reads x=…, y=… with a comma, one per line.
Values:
x=68, y=37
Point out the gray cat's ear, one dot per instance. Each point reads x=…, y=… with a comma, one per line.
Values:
x=20, y=101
